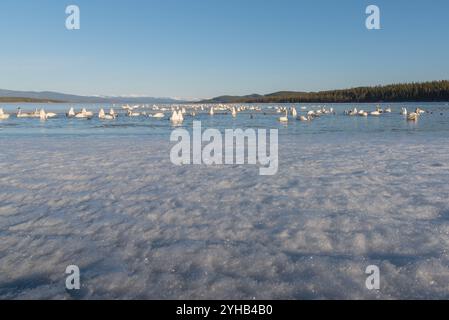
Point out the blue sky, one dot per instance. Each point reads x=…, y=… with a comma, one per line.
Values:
x=206, y=48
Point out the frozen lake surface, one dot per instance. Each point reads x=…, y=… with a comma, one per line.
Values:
x=350, y=192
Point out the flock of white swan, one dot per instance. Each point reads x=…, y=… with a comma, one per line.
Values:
x=179, y=112
x=411, y=116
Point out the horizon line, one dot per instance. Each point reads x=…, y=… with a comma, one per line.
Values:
x=137, y=96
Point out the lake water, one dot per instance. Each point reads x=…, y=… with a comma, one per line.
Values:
x=350, y=192
x=435, y=123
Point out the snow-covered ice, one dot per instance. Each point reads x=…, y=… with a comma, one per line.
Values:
x=140, y=227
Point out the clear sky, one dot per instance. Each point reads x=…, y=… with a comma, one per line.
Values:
x=206, y=48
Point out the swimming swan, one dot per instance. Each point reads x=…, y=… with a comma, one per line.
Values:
x=88, y=114
x=413, y=116
x=177, y=117
x=353, y=112
x=50, y=115
x=159, y=116
x=133, y=114
x=294, y=112
x=36, y=114
x=84, y=114
x=103, y=116
x=419, y=111
x=21, y=114
x=363, y=113
x=71, y=113
x=46, y=115
x=3, y=115
x=42, y=115
x=284, y=119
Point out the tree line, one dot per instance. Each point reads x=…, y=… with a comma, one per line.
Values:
x=435, y=91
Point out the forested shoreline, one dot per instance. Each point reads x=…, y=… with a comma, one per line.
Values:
x=435, y=91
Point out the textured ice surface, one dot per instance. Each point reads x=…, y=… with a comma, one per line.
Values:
x=139, y=227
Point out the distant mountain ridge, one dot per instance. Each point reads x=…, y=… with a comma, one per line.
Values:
x=49, y=96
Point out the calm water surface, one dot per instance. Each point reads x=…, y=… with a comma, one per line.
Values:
x=433, y=124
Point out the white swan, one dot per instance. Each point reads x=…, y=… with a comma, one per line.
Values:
x=71, y=113
x=375, y=113
x=42, y=115
x=83, y=114
x=46, y=115
x=159, y=115
x=3, y=115
x=211, y=112
x=21, y=114
x=51, y=115
x=294, y=112
x=325, y=111
x=413, y=116
x=87, y=113
x=35, y=114
x=284, y=119
x=234, y=112
x=103, y=116
x=419, y=111
x=352, y=112
x=133, y=114
x=303, y=118
x=177, y=117
x=363, y=113
x=174, y=116
x=404, y=111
